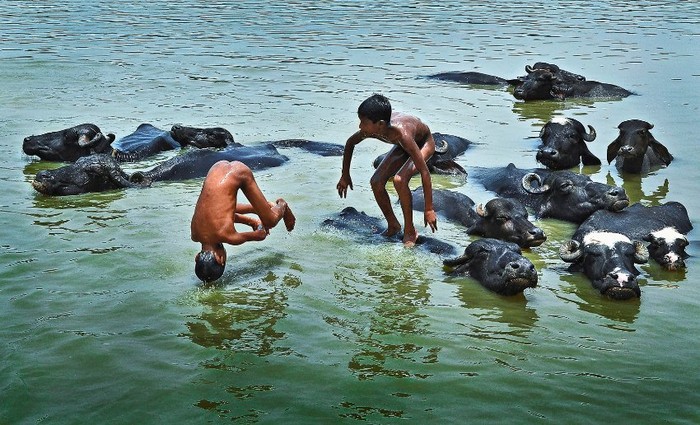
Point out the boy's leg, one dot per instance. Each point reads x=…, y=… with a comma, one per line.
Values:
x=401, y=181
x=270, y=214
x=392, y=162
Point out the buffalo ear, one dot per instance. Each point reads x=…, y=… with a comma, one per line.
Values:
x=588, y=158
x=661, y=151
x=613, y=148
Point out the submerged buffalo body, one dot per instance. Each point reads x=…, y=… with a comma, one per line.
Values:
x=564, y=144
x=101, y=172
x=94, y=173
x=318, y=148
x=479, y=78
x=497, y=265
x=500, y=218
x=608, y=259
x=447, y=148
x=563, y=195
x=145, y=141
x=635, y=150
x=69, y=144
x=663, y=227
x=368, y=229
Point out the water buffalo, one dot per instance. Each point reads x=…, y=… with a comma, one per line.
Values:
x=636, y=150
x=368, y=229
x=213, y=137
x=542, y=84
x=447, y=148
x=479, y=78
x=500, y=218
x=608, y=259
x=69, y=144
x=663, y=226
x=318, y=148
x=497, y=265
x=95, y=173
x=564, y=144
x=563, y=194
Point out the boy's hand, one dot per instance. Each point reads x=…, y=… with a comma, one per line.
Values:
x=431, y=219
x=342, y=186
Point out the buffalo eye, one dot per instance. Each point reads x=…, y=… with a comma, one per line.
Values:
x=566, y=186
x=502, y=219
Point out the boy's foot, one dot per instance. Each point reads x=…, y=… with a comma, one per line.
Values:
x=409, y=239
x=391, y=231
x=289, y=219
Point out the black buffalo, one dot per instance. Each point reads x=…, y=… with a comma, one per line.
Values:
x=663, y=227
x=563, y=194
x=94, y=173
x=500, y=218
x=564, y=144
x=608, y=259
x=69, y=144
x=497, y=265
x=636, y=150
x=145, y=141
x=447, y=148
x=100, y=172
x=368, y=229
x=479, y=78
x=542, y=84
x=212, y=137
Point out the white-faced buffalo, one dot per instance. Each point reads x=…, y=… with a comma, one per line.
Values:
x=636, y=150
x=500, y=218
x=318, y=148
x=447, y=148
x=663, y=227
x=497, y=265
x=368, y=229
x=608, y=259
x=563, y=194
x=542, y=84
x=69, y=144
x=564, y=144
x=95, y=173
x=213, y=137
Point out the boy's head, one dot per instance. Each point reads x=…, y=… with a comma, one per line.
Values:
x=376, y=108
x=206, y=266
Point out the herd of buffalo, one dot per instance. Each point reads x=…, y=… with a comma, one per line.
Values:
x=612, y=236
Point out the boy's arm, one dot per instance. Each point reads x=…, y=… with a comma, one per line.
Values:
x=237, y=238
x=345, y=180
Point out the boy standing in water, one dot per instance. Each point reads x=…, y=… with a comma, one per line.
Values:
x=413, y=146
x=217, y=211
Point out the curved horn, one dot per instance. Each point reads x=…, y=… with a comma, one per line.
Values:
x=527, y=183
x=641, y=255
x=84, y=142
x=650, y=126
x=529, y=69
x=481, y=210
x=542, y=130
x=462, y=259
x=570, y=251
x=591, y=135
x=139, y=178
x=441, y=146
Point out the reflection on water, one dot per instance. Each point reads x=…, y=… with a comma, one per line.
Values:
x=632, y=183
x=588, y=299
x=542, y=111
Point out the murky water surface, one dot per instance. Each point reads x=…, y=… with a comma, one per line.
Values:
x=105, y=322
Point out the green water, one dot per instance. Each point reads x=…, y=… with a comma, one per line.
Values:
x=105, y=322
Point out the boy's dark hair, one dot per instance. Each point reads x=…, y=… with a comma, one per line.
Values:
x=375, y=108
x=206, y=268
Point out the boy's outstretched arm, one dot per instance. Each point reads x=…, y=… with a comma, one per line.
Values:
x=345, y=180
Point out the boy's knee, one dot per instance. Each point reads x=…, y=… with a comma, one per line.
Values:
x=377, y=182
x=400, y=181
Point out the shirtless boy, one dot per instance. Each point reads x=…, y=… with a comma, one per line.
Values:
x=217, y=211
x=413, y=146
